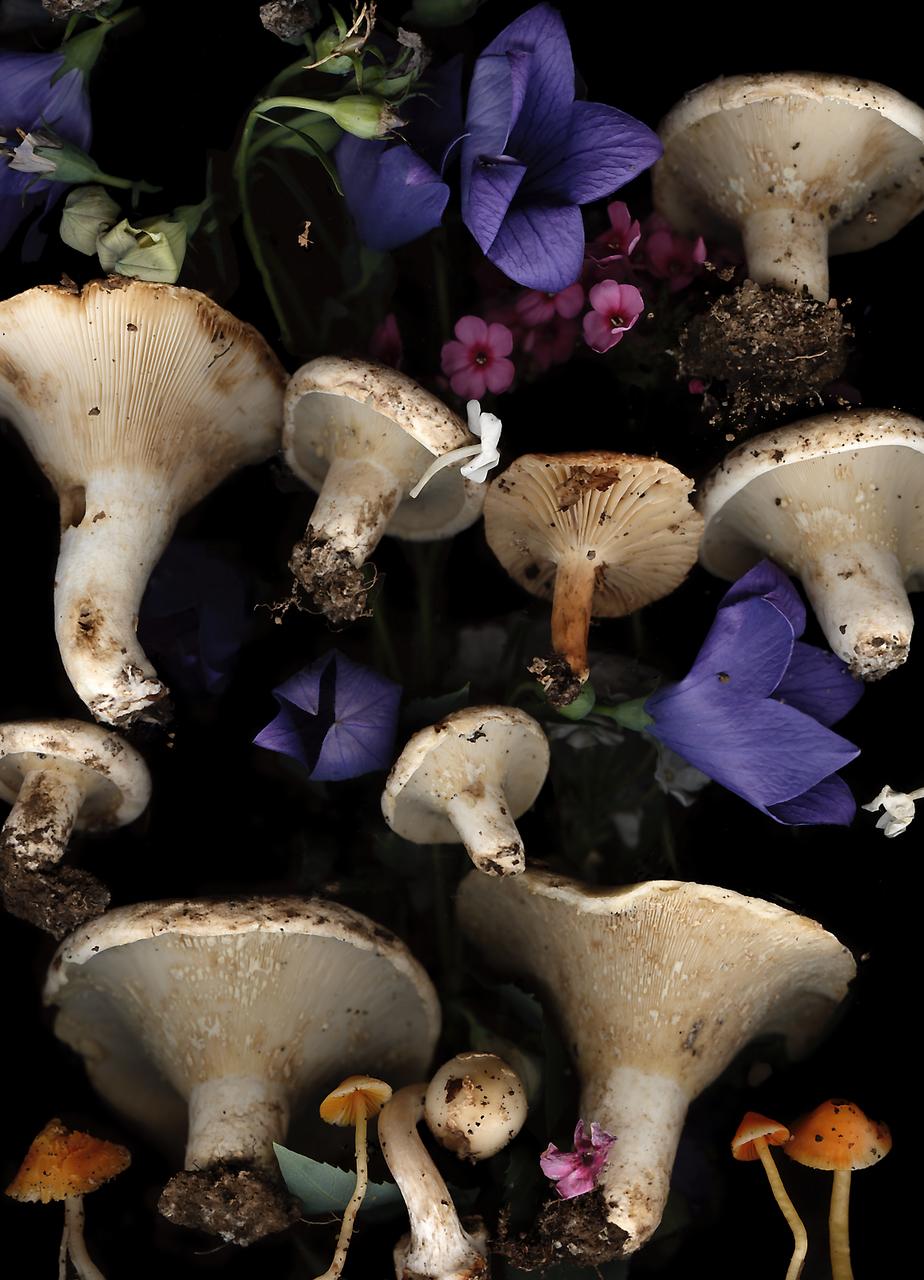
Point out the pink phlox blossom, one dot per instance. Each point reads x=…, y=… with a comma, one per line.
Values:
x=670, y=256
x=534, y=307
x=476, y=362
x=616, y=308
x=576, y=1172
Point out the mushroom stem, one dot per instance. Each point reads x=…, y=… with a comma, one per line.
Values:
x=236, y=1118
x=481, y=816
x=356, y=1199
x=859, y=597
x=43, y=815
x=572, y=607
x=787, y=1208
x=838, y=1226
x=787, y=247
x=75, y=1244
x=112, y=536
x=358, y=498
x=438, y=1247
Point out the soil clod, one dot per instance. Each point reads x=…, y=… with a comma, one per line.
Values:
x=575, y=1231
x=329, y=581
x=56, y=899
x=560, y=685
x=236, y=1202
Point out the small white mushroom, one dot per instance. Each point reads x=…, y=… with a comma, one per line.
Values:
x=475, y=1105
x=59, y=775
x=465, y=780
x=796, y=165
x=836, y=501
x=657, y=987
x=136, y=400
x=362, y=436
x=216, y=1021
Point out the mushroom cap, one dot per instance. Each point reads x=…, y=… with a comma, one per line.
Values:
x=754, y=1126
x=475, y=1105
x=336, y=407
x=354, y=1097
x=493, y=744
x=846, y=149
x=131, y=375
x=160, y=997
x=630, y=515
x=114, y=775
x=837, y=1136
x=851, y=476
x=64, y=1162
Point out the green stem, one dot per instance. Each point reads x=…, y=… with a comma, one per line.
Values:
x=630, y=714
x=382, y=639
x=250, y=230
x=441, y=282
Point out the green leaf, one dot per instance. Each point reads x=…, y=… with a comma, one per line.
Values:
x=312, y=145
x=321, y=1188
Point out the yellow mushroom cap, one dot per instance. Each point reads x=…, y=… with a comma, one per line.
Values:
x=64, y=1162
x=755, y=1126
x=354, y=1097
x=837, y=1136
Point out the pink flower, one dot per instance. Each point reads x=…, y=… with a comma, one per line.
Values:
x=621, y=238
x=534, y=307
x=616, y=307
x=477, y=362
x=551, y=343
x=669, y=256
x=385, y=345
x=576, y=1172
x=696, y=387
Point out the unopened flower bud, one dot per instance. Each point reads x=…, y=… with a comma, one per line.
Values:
x=365, y=115
x=152, y=250
x=88, y=213
x=52, y=159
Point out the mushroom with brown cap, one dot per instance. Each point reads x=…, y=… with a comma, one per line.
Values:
x=65, y=1164
x=658, y=986
x=475, y=1105
x=465, y=780
x=217, y=1020
x=601, y=534
x=838, y=1138
x=834, y=501
x=136, y=400
x=362, y=435
x=58, y=775
x=755, y=1135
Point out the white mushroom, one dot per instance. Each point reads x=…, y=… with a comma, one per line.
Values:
x=835, y=500
x=475, y=1105
x=219, y=1020
x=795, y=164
x=362, y=435
x=465, y=780
x=136, y=400
x=58, y=775
x=657, y=987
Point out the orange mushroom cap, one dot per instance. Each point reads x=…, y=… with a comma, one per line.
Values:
x=837, y=1136
x=63, y=1162
x=754, y=1126
x=355, y=1096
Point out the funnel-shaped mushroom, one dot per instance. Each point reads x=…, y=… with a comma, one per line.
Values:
x=795, y=164
x=465, y=780
x=657, y=986
x=362, y=435
x=136, y=400
x=220, y=1019
x=601, y=534
x=834, y=501
x=58, y=775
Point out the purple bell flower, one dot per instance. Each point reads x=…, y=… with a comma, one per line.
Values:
x=531, y=155
x=29, y=101
x=753, y=713
x=336, y=718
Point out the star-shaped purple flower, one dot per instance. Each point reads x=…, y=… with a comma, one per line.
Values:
x=531, y=154
x=576, y=1172
x=335, y=717
x=754, y=711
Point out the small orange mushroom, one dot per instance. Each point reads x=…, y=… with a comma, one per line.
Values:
x=64, y=1164
x=756, y=1135
x=354, y=1102
x=839, y=1138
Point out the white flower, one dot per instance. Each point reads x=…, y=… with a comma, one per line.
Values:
x=898, y=809
x=677, y=777
x=25, y=157
x=487, y=428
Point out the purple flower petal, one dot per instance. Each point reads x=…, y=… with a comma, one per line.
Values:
x=606, y=149
x=829, y=801
x=768, y=581
x=745, y=654
x=492, y=186
x=495, y=99
x=541, y=246
x=539, y=33
x=393, y=195
x=818, y=684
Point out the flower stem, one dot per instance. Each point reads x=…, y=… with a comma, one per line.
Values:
x=241, y=172
x=631, y=714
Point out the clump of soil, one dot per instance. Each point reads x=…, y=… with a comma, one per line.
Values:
x=329, y=581
x=56, y=898
x=768, y=348
x=575, y=1231
x=560, y=684
x=288, y=19
x=236, y=1202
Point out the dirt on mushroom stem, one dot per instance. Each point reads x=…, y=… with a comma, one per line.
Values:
x=56, y=899
x=574, y=1230
x=232, y=1200
x=328, y=582
x=559, y=683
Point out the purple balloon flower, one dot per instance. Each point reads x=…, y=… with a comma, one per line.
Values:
x=337, y=718
x=29, y=100
x=576, y=1172
x=532, y=155
x=754, y=711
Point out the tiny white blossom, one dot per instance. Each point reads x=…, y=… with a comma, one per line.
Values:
x=898, y=809
x=25, y=158
x=487, y=427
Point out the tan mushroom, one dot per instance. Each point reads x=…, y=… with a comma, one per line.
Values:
x=601, y=534
x=59, y=775
x=362, y=435
x=136, y=400
x=834, y=500
x=657, y=987
x=475, y=1104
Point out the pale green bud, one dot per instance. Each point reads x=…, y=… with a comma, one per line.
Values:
x=152, y=250
x=364, y=115
x=88, y=212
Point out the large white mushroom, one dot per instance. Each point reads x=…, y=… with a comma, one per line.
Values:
x=214, y=1022
x=837, y=501
x=657, y=987
x=136, y=400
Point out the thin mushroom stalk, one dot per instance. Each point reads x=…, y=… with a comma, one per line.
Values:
x=354, y=1205
x=787, y=1208
x=572, y=609
x=839, y=1226
x=73, y=1244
